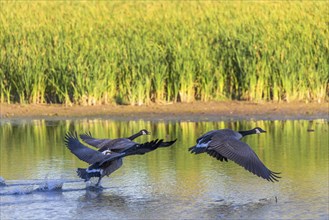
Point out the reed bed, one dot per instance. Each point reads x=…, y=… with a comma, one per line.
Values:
x=140, y=52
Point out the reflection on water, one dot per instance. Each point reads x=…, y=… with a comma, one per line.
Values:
x=166, y=183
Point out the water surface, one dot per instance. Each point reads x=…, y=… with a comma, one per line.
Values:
x=168, y=183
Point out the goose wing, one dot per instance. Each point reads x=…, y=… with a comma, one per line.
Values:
x=143, y=148
x=116, y=145
x=128, y=147
x=222, y=133
x=167, y=143
x=133, y=149
x=85, y=153
x=119, y=145
x=242, y=154
x=95, y=142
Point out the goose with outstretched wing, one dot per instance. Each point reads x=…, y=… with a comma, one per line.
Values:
x=103, y=163
x=225, y=145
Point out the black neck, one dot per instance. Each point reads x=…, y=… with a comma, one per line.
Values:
x=132, y=137
x=245, y=133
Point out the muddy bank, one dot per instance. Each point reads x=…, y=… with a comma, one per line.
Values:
x=179, y=111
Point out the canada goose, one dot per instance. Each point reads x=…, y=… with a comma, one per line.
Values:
x=109, y=145
x=99, y=143
x=225, y=144
x=106, y=162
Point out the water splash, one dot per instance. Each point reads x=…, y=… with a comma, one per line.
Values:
x=51, y=185
x=2, y=181
x=19, y=190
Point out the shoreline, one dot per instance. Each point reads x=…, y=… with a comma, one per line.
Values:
x=195, y=111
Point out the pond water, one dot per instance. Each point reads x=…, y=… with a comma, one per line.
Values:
x=171, y=183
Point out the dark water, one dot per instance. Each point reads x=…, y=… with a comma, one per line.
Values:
x=167, y=183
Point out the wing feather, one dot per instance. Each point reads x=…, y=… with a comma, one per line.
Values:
x=242, y=154
x=116, y=145
x=95, y=142
x=167, y=143
x=85, y=153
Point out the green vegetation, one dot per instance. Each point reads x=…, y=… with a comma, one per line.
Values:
x=141, y=52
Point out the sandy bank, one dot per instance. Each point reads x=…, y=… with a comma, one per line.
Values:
x=178, y=111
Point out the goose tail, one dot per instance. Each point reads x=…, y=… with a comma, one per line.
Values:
x=86, y=174
x=82, y=173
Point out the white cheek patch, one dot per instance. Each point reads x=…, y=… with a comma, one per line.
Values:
x=106, y=152
x=203, y=145
x=257, y=131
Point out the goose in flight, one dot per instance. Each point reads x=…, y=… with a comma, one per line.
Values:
x=225, y=145
x=103, y=163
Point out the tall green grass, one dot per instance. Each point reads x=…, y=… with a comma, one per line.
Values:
x=140, y=52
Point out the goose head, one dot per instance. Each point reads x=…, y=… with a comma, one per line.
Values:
x=258, y=130
x=144, y=132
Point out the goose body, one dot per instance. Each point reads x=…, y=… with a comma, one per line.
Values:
x=103, y=163
x=225, y=145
